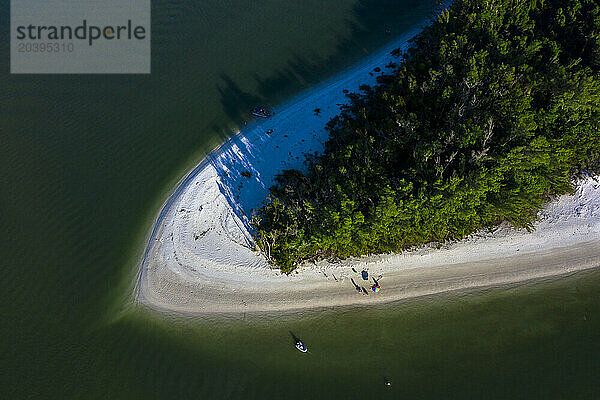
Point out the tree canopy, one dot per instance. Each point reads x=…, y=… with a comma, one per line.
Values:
x=492, y=110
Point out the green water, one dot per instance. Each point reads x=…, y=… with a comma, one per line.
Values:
x=86, y=162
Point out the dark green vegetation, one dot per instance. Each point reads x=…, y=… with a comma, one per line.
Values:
x=490, y=114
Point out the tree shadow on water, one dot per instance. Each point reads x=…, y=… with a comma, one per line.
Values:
x=392, y=17
x=236, y=102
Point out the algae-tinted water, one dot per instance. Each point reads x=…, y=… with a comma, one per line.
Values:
x=86, y=162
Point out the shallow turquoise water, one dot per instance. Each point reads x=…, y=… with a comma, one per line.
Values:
x=86, y=162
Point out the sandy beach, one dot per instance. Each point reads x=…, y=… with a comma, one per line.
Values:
x=201, y=258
